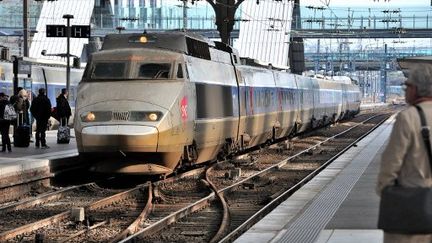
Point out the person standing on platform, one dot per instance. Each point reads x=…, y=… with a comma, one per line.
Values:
x=21, y=104
x=41, y=111
x=14, y=98
x=5, y=120
x=63, y=108
x=405, y=160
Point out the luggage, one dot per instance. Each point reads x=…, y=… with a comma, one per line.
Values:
x=9, y=113
x=21, y=133
x=63, y=133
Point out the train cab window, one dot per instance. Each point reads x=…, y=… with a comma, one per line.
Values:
x=111, y=70
x=179, y=71
x=154, y=71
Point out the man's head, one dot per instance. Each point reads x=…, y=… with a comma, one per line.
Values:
x=41, y=91
x=419, y=83
x=64, y=92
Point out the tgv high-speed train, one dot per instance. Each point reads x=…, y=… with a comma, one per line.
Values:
x=154, y=102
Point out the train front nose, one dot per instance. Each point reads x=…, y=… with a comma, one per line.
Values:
x=123, y=138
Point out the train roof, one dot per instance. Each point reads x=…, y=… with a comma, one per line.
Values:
x=183, y=42
x=173, y=40
x=257, y=63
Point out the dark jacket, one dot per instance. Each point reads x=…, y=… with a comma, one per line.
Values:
x=41, y=108
x=63, y=108
x=3, y=104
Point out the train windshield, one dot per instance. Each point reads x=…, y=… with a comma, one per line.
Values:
x=154, y=71
x=112, y=70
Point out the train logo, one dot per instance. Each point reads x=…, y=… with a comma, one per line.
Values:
x=183, y=108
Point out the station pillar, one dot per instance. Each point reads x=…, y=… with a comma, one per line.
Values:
x=225, y=11
x=296, y=46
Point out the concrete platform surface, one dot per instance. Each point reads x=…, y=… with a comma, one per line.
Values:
x=22, y=160
x=33, y=152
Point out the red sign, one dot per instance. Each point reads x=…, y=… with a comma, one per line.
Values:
x=183, y=108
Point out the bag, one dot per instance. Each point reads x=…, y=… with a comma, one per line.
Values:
x=408, y=210
x=63, y=133
x=9, y=113
x=22, y=136
x=22, y=133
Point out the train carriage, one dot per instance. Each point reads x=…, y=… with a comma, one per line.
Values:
x=306, y=90
x=289, y=103
x=217, y=107
x=261, y=104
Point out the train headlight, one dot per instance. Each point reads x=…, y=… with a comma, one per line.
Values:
x=88, y=117
x=153, y=117
x=140, y=116
x=143, y=39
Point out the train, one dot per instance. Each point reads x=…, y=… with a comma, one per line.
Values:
x=153, y=103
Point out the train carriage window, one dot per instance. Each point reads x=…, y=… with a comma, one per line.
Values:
x=154, y=71
x=109, y=70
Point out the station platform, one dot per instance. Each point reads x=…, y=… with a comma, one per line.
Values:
x=372, y=106
x=32, y=161
x=338, y=205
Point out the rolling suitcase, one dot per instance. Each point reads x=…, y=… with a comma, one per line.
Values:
x=63, y=133
x=21, y=133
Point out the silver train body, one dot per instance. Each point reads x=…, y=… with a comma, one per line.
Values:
x=152, y=103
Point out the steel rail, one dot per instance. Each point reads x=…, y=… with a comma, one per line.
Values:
x=223, y=227
x=71, y=237
x=30, y=202
x=172, y=218
x=134, y=226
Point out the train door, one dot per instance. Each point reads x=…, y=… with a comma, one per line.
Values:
x=239, y=106
x=345, y=106
x=288, y=103
x=338, y=100
x=306, y=97
x=318, y=107
x=243, y=137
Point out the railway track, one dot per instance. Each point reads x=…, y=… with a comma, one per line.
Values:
x=240, y=202
x=22, y=217
x=216, y=204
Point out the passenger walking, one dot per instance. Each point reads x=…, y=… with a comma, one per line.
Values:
x=7, y=113
x=405, y=160
x=41, y=111
x=63, y=108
